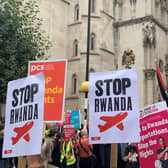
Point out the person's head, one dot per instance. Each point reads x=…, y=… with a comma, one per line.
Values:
x=82, y=126
x=53, y=133
x=161, y=141
x=83, y=133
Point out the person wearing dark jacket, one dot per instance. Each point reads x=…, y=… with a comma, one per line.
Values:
x=56, y=151
x=1, y=144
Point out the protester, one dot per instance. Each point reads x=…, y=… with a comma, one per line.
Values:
x=2, y=161
x=131, y=157
x=13, y=162
x=68, y=159
x=162, y=153
x=84, y=150
x=74, y=143
x=55, y=136
x=41, y=161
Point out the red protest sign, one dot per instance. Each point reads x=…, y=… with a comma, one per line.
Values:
x=153, y=124
x=68, y=118
x=55, y=79
x=69, y=132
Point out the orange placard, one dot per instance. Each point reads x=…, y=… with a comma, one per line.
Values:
x=55, y=79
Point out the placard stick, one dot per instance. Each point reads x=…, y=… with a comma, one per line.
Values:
x=114, y=156
x=21, y=162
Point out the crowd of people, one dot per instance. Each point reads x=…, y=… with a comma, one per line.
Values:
x=73, y=153
x=56, y=152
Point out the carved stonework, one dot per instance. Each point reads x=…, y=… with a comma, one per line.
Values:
x=128, y=58
x=163, y=4
x=149, y=74
x=133, y=2
x=119, y=2
x=157, y=2
x=149, y=34
x=133, y=8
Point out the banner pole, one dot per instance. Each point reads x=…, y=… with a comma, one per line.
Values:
x=114, y=156
x=21, y=162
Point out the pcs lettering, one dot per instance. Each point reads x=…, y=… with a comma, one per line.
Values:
x=112, y=95
x=23, y=104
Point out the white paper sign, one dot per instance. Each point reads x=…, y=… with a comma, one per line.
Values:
x=24, y=116
x=113, y=107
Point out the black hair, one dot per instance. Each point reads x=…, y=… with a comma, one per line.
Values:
x=58, y=135
x=52, y=132
x=160, y=137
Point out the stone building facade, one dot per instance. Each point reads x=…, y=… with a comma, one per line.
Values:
x=116, y=26
x=142, y=26
x=65, y=22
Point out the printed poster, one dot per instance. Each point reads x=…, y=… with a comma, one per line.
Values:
x=24, y=117
x=153, y=124
x=69, y=132
x=55, y=80
x=75, y=119
x=113, y=107
x=68, y=118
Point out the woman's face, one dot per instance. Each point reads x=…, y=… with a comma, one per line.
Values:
x=162, y=142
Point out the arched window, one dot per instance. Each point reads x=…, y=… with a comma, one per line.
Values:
x=92, y=41
x=92, y=6
x=76, y=13
x=75, y=48
x=74, y=84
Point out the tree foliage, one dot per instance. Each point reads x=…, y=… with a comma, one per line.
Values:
x=21, y=40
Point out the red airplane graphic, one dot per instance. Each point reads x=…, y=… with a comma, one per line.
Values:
x=22, y=132
x=113, y=121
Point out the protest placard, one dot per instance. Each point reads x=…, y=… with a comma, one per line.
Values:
x=69, y=132
x=75, y=119
x=68, y=118
x=113, y=107
x=153, y=124
x=24, y=116
x=55, y=80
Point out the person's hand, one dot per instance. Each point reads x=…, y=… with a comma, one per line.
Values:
x=63, y=153
x=68, y=157
x=166, y=149
x=129, y=154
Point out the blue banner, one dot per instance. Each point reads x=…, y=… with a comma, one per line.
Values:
x=75, y=119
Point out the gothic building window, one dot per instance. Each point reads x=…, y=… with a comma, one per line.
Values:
x=76, y=13
x=74, y=84
x=75, y=48
x=92, y=6
x=92, y=41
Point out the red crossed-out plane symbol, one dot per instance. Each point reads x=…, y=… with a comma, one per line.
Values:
x=22, y=132
x=112, y=121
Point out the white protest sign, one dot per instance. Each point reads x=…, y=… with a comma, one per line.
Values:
x=24, y=116
x=113, y=107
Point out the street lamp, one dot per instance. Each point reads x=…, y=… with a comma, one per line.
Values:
x=84, y=86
